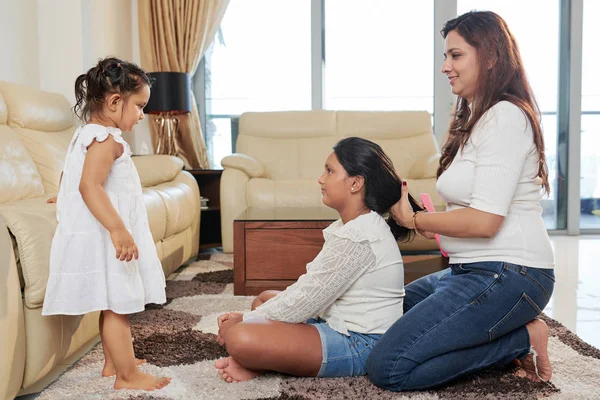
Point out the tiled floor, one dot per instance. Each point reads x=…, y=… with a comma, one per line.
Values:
x=576, y=299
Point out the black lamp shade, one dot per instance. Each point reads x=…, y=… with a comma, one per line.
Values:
x=170, y=93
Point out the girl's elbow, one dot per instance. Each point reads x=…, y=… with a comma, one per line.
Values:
x=85, y=188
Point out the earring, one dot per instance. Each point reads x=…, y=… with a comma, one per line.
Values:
x=352, y=189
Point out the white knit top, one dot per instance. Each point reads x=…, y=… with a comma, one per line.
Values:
x=496, y=172
x=356, y=282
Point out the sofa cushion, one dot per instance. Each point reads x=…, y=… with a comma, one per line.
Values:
x=32, y=222
x=270, y=193
x=19, y=178
x=179, y=201
x=36, y=110
x=405, y=136
x=155, y=169
x=45, y=125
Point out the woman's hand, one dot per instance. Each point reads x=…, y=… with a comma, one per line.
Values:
x=51, y=200
x=427, y=234
x=124, y=245
x=402, y=211
x=225, y=322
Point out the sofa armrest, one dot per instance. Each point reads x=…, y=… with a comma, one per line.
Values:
x=158, y=168
x=252, y=167
x=12, y=325
x=425, y=168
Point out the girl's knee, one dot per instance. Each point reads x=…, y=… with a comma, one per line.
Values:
x=240, y=341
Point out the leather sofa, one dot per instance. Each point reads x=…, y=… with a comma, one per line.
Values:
x=35, y=130
x=280, y=155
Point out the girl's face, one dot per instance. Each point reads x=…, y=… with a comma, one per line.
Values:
x=336, y=185
x=461, y=66
x=132, y=109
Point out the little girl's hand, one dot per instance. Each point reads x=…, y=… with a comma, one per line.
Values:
x=51, y=200
x=124, y=245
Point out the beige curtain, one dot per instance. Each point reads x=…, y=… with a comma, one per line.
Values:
x=174, y=34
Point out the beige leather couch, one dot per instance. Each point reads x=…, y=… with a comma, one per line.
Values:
x=35, y=130
x=280, y=155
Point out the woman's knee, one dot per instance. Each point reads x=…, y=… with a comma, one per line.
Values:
x=387, y=371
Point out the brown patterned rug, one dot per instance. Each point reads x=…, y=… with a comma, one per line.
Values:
x=178, y=340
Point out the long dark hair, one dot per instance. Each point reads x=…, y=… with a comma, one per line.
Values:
x=109, y=76
x=383, y=186
x=488, y=33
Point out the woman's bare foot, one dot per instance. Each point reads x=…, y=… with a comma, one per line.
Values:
x=140, y=380
x=109, y=369
x=538, y=337
x=232, y=371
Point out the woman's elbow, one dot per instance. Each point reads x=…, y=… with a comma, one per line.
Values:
x=490, y=228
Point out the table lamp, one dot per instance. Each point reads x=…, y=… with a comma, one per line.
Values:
x=169, y=96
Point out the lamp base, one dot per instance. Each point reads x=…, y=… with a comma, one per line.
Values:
x=167, y=128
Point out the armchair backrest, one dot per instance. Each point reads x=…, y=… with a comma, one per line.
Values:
x=294, y=145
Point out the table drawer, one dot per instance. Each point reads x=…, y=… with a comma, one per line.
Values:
x=280, y=253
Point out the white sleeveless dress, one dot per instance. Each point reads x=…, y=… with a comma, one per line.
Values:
x=85, y=274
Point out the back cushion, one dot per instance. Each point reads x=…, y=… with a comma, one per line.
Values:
x=405, y=136
x=289, y=144
x=45, y=124
x=19, y=178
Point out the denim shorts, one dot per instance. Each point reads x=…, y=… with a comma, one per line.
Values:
x=343, y=355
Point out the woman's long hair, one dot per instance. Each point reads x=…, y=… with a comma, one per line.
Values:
x=383, y=187
x=488, y=33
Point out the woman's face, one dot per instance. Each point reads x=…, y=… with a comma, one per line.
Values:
x=336, y=185
x=461, y=66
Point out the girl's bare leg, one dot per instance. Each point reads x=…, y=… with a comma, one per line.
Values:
x=261, y=345
x=116, y=338
x=263, y=297
x=109, y=367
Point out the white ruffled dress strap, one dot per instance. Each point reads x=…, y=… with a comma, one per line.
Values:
x=100, y=133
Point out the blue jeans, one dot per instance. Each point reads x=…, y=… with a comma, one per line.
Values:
x=460, y=320
x=343, y=355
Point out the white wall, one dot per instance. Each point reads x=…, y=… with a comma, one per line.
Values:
x=60, y=45
x=19, y=42
x=47, y=44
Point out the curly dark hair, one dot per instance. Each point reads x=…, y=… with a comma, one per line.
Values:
x=109, y=76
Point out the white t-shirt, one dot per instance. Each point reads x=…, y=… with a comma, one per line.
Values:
x=356, y=282
x=496, y=172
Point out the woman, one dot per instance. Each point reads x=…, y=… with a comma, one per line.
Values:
x=482, y=310
x=327, y=322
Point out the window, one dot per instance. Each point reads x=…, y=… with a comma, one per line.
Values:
x=259, y=61
x=590, y=119
x=540, y=58
x=379, y=55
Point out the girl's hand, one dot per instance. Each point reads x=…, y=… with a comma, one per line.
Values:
x=124, y=245
x=51, y=200
x=402, y=211
x=225, y=322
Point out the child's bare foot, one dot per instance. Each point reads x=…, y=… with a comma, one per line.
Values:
x=538, y=337
x=140, y=380
x=109, y=369
x=232, y=371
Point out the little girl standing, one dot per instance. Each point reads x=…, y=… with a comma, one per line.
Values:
x=103, y=256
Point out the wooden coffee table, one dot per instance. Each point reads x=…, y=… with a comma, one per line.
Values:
x=271, y=248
